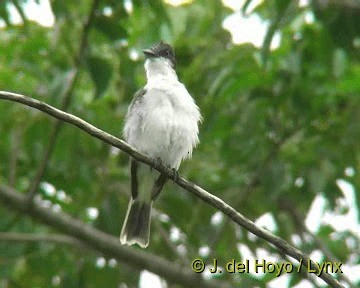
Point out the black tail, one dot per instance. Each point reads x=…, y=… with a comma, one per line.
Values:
x=136, y=227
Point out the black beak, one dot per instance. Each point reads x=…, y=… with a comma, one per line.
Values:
x=149, y=53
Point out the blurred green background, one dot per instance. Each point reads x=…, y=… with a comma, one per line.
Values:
x=280, y=135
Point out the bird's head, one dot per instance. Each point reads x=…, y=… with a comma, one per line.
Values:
x=161, y=52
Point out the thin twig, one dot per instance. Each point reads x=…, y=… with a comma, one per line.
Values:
x=19, y=9
x=52, y=140
x=104, y=243
x=67, y=95
x=201, y=193
x=30, y=237
x=311, y=277
x=291, y=209
x=274, y=25
x=252, y=184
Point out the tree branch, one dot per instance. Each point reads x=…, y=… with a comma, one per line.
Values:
x=298, y=219
x=199, y=192
x=274, y=25
x=104, y=243
x=19, y=9
x=67, y=95
x=31, y=237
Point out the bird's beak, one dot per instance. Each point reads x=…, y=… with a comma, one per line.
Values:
x=149, y=53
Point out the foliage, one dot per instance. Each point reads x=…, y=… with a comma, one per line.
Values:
x=279, y=128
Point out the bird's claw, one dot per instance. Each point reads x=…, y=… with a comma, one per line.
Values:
x=158, y=163
x=175, y=174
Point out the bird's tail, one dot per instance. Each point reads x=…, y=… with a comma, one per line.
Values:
x=136, y=227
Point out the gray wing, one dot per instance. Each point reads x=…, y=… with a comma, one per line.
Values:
x=133, y=163
x=133, y=113
x=138, y=96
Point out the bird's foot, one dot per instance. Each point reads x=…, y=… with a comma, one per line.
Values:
x=158, y=163
x=175, y=174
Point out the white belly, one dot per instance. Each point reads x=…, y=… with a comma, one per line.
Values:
x=164, y=124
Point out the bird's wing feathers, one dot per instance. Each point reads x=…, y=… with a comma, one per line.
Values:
x=137, y=98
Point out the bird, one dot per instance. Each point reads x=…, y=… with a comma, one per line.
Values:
x=162, y=122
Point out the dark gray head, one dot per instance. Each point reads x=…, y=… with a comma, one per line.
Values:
x=161, y=49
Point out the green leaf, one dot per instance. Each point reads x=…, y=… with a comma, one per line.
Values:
x=101, y=72
x=110, y=26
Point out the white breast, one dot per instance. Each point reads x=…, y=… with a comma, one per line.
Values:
x=164, y=122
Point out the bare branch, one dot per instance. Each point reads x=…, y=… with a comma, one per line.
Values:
x=67, y=95
x=298, y=219
x=52, y=140
x=104, y=243
x=30, y=237
x=19, y=9
x=199, y=192
x=274, y=25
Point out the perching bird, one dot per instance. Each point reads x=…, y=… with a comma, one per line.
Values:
x=162, y=123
